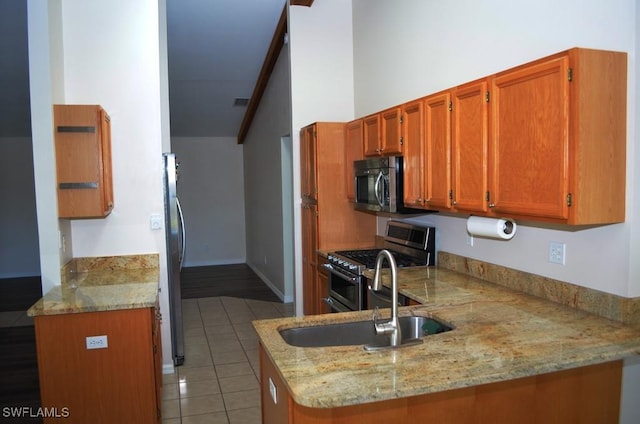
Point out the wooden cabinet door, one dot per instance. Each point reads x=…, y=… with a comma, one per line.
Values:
x=371, y=131
x=354, y=150
x=437, y=178
x=275, y=399
x=309, y=247
x=83, y=161
x=116, y=384
x=530, y=140
x=470, y=122
x=105, y=160
x=413, y=145
x=308, y=183
x=156, y=318
x=391, y=140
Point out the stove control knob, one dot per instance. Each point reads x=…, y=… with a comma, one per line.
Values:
x=353, y=267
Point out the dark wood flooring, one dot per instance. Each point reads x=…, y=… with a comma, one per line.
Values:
x=236, y=280
x=19, y=386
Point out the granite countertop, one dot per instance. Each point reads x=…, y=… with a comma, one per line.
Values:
x=499, y=334
x=102, y=284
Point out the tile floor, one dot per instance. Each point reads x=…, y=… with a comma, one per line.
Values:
x=218, y=383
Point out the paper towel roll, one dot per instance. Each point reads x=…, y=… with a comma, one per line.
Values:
x=501, y=228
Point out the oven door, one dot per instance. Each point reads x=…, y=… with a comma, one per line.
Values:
x=345, y=290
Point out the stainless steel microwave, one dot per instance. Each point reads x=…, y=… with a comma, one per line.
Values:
x=378, y=183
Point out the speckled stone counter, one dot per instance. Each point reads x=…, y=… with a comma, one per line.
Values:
x=500, y=334
x=102, y=284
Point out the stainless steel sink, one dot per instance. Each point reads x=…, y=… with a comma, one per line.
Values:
x=361, y=333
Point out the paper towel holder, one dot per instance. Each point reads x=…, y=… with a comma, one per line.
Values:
x=492, y=228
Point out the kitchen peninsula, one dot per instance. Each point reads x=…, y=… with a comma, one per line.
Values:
x=512, y=357
x=98, y=342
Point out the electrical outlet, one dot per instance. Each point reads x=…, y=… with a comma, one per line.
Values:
x=273, y=390
x=97, y=342
x=557, y=252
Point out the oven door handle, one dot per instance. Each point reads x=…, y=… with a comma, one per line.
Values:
x=335, y=306
x=333, y=270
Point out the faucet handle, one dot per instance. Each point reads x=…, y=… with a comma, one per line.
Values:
x=376, y=315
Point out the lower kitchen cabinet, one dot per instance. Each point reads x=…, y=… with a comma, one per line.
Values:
x=586, y=395
x=100, y=367
x=309, y=257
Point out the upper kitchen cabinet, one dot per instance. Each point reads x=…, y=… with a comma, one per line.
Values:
x=414, y=157
x=308, y=181
x=558, y=144
x=437, y=164
x=470, y=140
x=354, y=150
x=83, y=161
x=382, y=133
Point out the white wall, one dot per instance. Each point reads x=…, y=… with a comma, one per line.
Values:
x=408, y=50
x=211, y=192
x=110, y=56
x=321, y=56
x=263, y=182
x=45, y=75
x=19, y=255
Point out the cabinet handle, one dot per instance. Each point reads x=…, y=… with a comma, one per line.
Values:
x=74, y=186
x=492, y=205
x=76, y=129
x=419, y=200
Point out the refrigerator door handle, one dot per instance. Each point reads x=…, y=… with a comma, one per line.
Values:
x=183, y=234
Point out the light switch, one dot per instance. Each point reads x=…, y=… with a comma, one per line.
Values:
x=156, y=221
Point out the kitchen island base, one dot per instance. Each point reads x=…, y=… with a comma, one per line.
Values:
x=589, y=394
x=116, y=381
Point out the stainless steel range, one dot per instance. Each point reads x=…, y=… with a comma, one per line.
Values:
x=411, y=246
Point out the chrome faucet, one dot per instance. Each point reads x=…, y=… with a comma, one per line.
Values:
x=391, y=327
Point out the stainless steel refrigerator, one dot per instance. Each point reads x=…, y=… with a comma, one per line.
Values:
x=175, y=235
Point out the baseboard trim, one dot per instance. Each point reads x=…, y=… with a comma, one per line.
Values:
x=269, y=284
x=214, y=263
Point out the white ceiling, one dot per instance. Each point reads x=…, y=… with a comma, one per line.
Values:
x=215, y=48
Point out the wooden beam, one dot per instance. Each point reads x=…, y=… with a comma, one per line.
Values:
x=267, y=68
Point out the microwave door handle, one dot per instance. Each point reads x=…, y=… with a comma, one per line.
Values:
x=377, y=191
